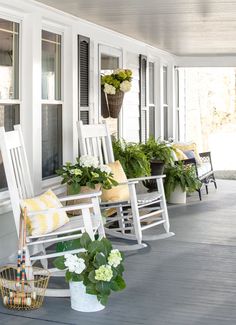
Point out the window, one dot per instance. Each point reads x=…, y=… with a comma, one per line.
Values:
x=165, y=102
x=51, y=104
x=152, y=108
x=9, y=81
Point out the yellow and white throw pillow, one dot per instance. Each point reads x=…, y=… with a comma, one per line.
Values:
x=120, y=192
x=41, y=224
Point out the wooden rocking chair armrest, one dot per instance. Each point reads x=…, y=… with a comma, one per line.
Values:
x=138, y=179
x=79, y=196
x=65, y=208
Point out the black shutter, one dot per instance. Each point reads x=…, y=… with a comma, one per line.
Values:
x=83, y=78
x=143, y=97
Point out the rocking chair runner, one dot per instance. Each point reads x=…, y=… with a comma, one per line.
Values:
x=95, y=140
x=20, y=187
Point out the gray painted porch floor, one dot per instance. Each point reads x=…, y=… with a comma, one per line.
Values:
x=189, y=279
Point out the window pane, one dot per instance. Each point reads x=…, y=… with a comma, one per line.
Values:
x=9, y=116
x=51, y=139
x=165, y=85
x=151, y=83
x=51, y=66
x=165, y=122
x=9, y=60
x=177, y=87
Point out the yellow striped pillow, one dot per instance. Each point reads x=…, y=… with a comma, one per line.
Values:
x=41, y=224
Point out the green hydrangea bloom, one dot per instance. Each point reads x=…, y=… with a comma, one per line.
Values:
x=104, y=273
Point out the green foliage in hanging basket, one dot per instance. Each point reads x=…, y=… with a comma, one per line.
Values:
x=120, y=79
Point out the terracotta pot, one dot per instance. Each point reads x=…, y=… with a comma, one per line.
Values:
x=83, y=190
x=115, y=103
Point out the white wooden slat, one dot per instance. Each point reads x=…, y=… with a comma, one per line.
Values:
x=26, y=169
x=12, y=140
x=88, y=148
x=104, y=150
x=99, y=145
x=21, y=172
x=16, y=174
x=94, y=146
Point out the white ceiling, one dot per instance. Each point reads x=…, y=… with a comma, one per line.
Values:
x=182, y=27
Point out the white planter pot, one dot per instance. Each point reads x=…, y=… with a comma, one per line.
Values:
x=178, y=196
x=81, y=301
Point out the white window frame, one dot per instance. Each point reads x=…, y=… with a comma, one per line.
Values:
x=53, y=181
x=12, y=17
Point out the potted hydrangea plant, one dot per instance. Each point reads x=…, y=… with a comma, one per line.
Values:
x=86, y=172
x=86, y=176
x=93, y=273
x=114, y=86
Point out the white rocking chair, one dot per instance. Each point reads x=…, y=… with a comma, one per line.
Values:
x=95, y=140
x=20, y=187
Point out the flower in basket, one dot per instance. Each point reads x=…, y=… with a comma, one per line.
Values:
x=86, y=172
x=98, y=266
x=119, y=80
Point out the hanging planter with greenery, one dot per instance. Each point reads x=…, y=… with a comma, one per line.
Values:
x=114, y=86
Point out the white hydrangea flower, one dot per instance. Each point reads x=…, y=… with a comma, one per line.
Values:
x=89, y=161
x=109, y=89
x=74, y=263
x=125, y=86
x=104, y=273
x=80, y=266
x=105, y=168
x=114, y=258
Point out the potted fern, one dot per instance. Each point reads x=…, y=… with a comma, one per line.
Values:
x=93, y=273
x=132, y=158
x=180, y=179
x=159, y=153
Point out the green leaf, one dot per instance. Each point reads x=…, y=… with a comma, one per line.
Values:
x=68, y=276
x=120, y=268
x=91, y=289
x=68, y=245
x=107, y=246
x=59, y=263
x=103, y=300
x=91, y=277
x=77, y=277
x=115, y=286
x=100, y=259
x=103, y=287
x=95, y=246
x=85, y=240
x=120, y=282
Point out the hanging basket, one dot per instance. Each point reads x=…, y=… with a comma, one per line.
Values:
x=115, y=103
x=104, y=106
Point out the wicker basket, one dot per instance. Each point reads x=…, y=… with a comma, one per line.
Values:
x=115, y=103
x=23, y=295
